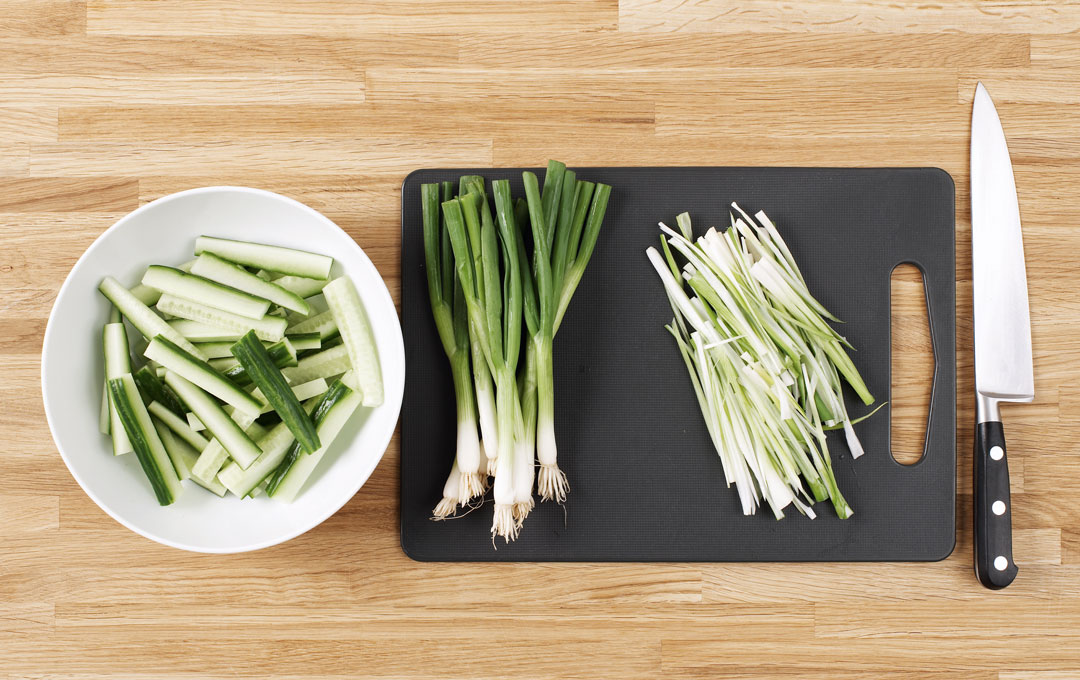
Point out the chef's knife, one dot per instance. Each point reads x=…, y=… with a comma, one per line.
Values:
x=1003, y=363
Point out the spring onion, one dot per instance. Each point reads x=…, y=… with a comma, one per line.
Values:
x=484, y=285
x=765, y=365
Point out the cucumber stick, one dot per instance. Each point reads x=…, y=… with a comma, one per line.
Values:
x=270, y=328
x=304, y=341
x=144, y=439
x=270, y=258
x=201, y=374
x=105, y=417
x=214, y=455
x=141, y=317
x=260, y=368
x=323, y=324
x=286, y=486
x=152, y=389
x=301, y=285
x=214, y=268
x=200, y=332
x=218, y=423
x=323, y=364
x=282, y=354
x=275, y=444
x=181, y=455
x=348, y=310
x=223, y=350
x=178, y=425
x=204, y=291
x=147, y=295
x=303, y=392
x=117, y=363
x=194, y=422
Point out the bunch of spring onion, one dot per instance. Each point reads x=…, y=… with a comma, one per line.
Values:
x=500, y=282
x=765, y=365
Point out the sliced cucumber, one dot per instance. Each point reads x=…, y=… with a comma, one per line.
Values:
x=152, y=389
x=301, y=285
x=141, y=317
x=223, y=364
x=303, y=392
x=200, y=332
x=147, y=295
x=324, y=324
x=304, y=341
x=114, y=315
x=152, y=456
x=260, y=368
x=105, y=416
x=177, y=425
x=270, y=328
x=218, y=423
x=348, y=310
x=275, y=444
x=215, y=455
x=282, y=354
x=214, y=268
x=117, y=363
x=201, y=374
x=181, y=455
x=324, y=364
x=204, y=291
x=194, y=422
x=214, y=486
x=289, y=479
x=271, y=258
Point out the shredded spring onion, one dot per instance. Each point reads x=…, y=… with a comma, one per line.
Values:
x=765, y=365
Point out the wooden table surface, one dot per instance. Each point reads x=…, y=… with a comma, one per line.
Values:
x=107, y=104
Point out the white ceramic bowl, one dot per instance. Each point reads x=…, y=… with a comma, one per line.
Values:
x=71, y=371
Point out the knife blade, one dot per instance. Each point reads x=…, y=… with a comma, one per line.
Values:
x=1003, y=359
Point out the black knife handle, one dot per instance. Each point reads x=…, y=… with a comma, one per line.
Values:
x=993, y=509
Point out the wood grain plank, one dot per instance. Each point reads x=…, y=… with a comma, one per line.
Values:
x=696, y=658
x=28, y=512
x=61, y=194
x=28, y=124
x=383, y=156
x=42, y=18
x=838, y=87
x=877, y=16
x=40, y=246
x=1024, y=86
x=70, y=89
x=1054, y=51
x=986, y=618
x=225, y=55
x=338, y=17
x=21, y=624
x=765, y=50
x=455, y=119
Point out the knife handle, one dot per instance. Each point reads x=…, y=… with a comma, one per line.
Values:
x=993, y=509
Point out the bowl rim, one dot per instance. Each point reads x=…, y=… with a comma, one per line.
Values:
x=399, y=350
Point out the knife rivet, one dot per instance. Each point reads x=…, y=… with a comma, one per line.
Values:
x=997, y=453
x=998, y=507
x=1001, y=563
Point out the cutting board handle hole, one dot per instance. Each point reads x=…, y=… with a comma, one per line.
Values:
x=912, y=364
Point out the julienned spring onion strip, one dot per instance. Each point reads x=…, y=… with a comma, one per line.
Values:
x=763, y=362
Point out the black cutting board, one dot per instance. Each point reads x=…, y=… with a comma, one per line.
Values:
x=646, y=483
